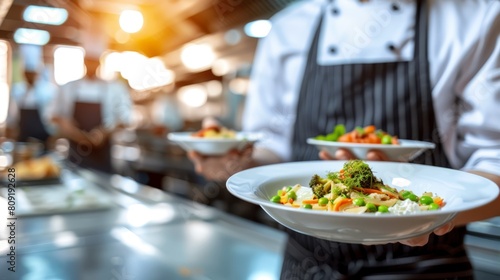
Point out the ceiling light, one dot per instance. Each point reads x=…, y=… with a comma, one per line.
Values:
x=239, y=85
x=45, y=15
x=68, y=64
x=197, y=56
x=258, y=28
x=221, y=67
x=31, y=36
x=131, y=21
x=4, y=102
x=193, y=95
x=232, y=37
x=214, y=88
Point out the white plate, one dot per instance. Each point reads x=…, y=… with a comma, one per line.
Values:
x=405, y=151
x=460, y=190
x=213, y=146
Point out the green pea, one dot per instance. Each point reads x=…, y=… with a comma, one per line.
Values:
x=360, y=130
x=321, y=137
x=276, y=199
x=307, y=206
x=330, y=137
x=359, y=202
x=405, y=194
x=433, y=206
x=370, y=207
x=386, y=139
x=383, y=209
x=426, y=200
x=292, y=195
x=322, y=201
x=413, y=197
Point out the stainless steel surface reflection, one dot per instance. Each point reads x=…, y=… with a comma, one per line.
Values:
x=483, y=245
x=147, y=234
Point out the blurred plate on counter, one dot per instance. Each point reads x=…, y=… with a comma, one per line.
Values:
x=213, y=146
x=31, y=182
x=34, y=171
x=405, y=151
x=57, y=199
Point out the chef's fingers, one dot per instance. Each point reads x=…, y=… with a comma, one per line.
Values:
x=197, y=159
x=324, y=155
x=444, y=229
x=423, y=239
x=417, y=241
x=344, y=154
x=376, y=155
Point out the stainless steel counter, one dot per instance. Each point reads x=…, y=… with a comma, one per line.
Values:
x=145, y=234
x=149, y=234
x=483, y=244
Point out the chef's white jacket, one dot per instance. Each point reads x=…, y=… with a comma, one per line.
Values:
x=114, y=97
x=464, y=56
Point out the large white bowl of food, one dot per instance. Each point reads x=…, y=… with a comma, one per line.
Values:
x=361, y=201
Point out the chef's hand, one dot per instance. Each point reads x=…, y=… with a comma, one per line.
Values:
x=220, y=168
x=98, y=136
x=423, y=239
x=68, y=129
x=344, y=154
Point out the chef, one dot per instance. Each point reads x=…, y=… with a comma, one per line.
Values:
x=87, y=111
x=27, y=119
x=422, y=70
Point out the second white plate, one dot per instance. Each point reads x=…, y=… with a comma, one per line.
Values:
x=405, y=151
x=213, y=146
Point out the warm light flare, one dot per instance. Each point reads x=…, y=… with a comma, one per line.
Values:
x=141, y=72
x=197, y=56
x=193, y=95
x=4, y=86
x=131, y=21
x=68, y=64
x=4, y=101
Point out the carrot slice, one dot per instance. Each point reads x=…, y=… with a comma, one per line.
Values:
x=439, y=201
x=309, y=201
x=369, y=129
x=338, y=204
x=363, y=190
x=201, y=132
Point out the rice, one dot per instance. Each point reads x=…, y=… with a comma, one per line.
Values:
x=404, y=207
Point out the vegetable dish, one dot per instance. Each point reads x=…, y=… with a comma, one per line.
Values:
x=355, y=189
x=368, y=134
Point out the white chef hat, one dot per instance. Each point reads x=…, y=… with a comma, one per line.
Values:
x=32, y=57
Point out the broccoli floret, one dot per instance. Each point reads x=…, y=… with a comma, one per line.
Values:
x=319, y=185
x=357, y=173
x=334, y=176
x=340, y=190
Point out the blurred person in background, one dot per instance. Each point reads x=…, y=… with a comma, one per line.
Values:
x=422, y=70
x=165, y=115
x=87, y=112
x=27, y=119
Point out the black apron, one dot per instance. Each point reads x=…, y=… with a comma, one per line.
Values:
x=30, y=122
x=31, y=126
x=87, y=117
x=395, y=97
